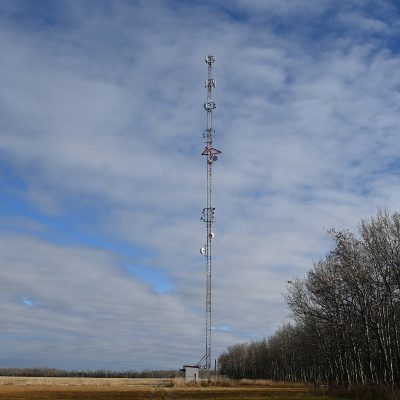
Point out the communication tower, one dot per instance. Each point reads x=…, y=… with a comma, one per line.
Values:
x=208, y=215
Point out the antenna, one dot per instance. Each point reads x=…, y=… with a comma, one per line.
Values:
x=208, y=215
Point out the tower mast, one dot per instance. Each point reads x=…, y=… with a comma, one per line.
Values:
x=208, y=212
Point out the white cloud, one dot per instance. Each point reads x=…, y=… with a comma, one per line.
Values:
x=101, y=117
x=82, y=301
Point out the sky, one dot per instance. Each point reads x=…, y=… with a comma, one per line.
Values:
x=102, y=182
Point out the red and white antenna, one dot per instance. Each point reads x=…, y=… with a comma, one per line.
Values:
x=209, y=211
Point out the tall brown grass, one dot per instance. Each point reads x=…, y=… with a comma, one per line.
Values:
x=226, y=382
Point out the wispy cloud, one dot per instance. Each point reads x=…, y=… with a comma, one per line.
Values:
x=27, y=302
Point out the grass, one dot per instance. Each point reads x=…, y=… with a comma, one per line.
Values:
x=14, y=388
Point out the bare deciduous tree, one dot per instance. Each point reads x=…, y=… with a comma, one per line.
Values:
x=346, y=315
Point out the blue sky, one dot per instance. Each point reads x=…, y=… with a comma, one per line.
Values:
x=102, y=181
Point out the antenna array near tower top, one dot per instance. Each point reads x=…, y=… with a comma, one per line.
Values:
x=208, y=215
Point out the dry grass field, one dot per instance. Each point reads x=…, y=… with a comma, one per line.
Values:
x=145, y=389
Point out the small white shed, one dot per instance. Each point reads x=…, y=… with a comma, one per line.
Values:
x=191, y=373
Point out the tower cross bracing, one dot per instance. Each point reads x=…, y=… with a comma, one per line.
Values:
x=208, y=214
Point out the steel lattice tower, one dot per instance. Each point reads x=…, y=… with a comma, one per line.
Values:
x=208, y=212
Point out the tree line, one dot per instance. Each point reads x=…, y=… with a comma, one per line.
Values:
x=60, y=373
x=346, y=316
